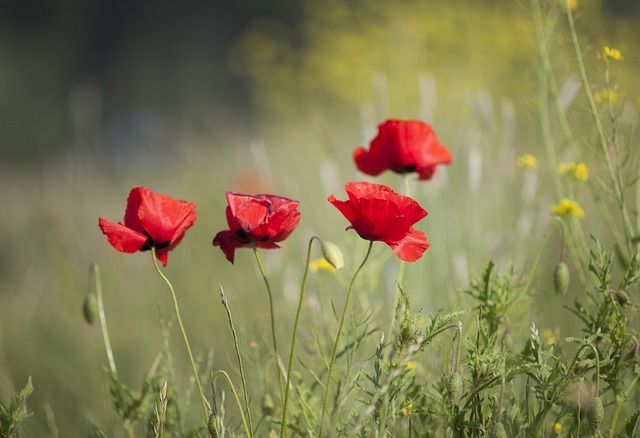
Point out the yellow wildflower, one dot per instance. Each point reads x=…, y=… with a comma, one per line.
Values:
x=605, y=95
x=573, y=4
x=411, y=365
x=321, y=264
x=406, y=411
x=527, y=161
x=557, y=427
x=578, y=171
x=610, y=53
x=567, y=207
x=549, y=337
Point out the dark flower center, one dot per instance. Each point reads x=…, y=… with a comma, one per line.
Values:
x=149, y=243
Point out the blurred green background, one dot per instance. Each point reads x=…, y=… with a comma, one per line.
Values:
x=272, y=96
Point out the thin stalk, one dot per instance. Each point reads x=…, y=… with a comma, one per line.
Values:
x=95, y=269
x=617, y=185
x=225, y=303
x=401, y=267
x=335, y=344
x=235, y=395
x=283, y=430
x=619, y=403
x=273, y=323
x=205, y=408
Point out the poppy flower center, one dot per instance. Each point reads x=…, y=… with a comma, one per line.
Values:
x=149, y=243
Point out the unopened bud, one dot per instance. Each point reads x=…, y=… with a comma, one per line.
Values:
x=454, y=387
x=332, y=254
x=561, y=278
x=90, y=308
x=211, y=426
x=498, y=431
x=268, y=408
x=595, y=414
x=620, y=296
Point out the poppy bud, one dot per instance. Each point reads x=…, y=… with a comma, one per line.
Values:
x=90, y=308
x=454, y=387
x=561, y=278
x=595, y=414
x=268, y=408
x=620, y=296
x=498, y=431
x=211, y=426
x=332, y=254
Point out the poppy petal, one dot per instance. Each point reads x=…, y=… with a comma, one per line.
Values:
x=164, y=218
x=228, y=242
x=411, y=247
x=121, y=237
x=367, y=163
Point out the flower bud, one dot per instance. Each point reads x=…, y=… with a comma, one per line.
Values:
x=268, y=408
x=498, y=431
x=454, y=387
x=332, y=254
x=90, y=308
x=561, y=278
x=620, y=296
x=595, y=414
x=211, y=426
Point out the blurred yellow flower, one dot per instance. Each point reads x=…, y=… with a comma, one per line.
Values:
x=567, y=207
x=557, y=427
x=321, y=264
x=549, y=337
x=578, y=171
x=610, y=53
x=411, y=365
x=605, y=95
x=406, y=411
x=527, y=161
x=573, y=4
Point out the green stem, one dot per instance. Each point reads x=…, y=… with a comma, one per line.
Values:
x=205, y=408
x=95, y=270
x=225, y=303
x=235, y=395
x=619, y=403
x=273, y=324
x=335, y=344
x=617, y=186
x=283, y=430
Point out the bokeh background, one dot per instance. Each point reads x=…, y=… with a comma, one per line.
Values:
x=97, y=97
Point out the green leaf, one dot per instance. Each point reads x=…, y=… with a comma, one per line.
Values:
x=631, y=425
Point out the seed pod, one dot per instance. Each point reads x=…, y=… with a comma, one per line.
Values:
x=498, y=431
x=595, y=414
x=268, y=407
x=454, y=387
x=90, y=308
x=211, y=426
x=332, y=254
x=561, y=278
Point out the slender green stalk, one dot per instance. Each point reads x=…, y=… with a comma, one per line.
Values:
x=619, y=403
x=225, y=303
x=95, y=269
x=205, y=408
x=235, y=395
x=284, y=430
x=273, y=324
x=335, y=344
x=604, y=144
x=401, y=266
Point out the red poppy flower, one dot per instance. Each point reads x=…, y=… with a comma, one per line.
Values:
x=151, y=219
x=403, y=147
x=378, y=213
x=256, y=221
